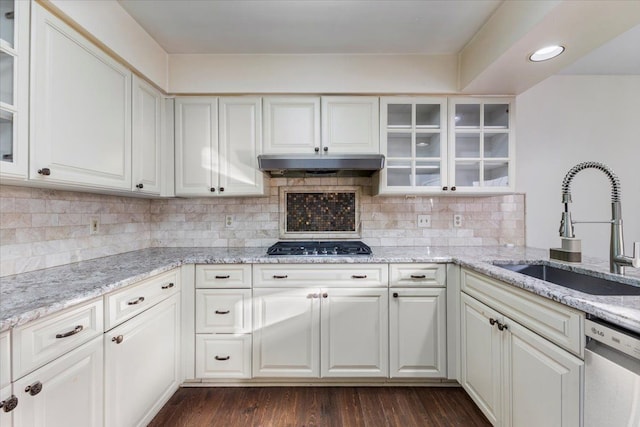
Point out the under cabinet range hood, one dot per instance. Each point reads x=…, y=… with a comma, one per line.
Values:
x=296, y=165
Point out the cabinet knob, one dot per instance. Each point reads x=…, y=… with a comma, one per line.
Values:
x=117, y=339
x=221, y=189
x=223, y=357
x=325, y=149
x=317, y=149
x=167, y=286
x=212, y=189
x=395, y=295
x=135, y=301
x=492, y=321
x=140, y=186
x=453, y=188
x=445, y=188
x=44, y=171
x=325, y=295
x=34, y=388
x=502, y=326
x=9, y=404
x=74, y=331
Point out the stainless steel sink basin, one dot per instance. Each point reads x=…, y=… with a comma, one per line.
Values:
x=571, y=279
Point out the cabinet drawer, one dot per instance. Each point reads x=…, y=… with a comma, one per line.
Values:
x=554, y=321
x=5, y=360
x=223, y=276
x=223, y=356
x=410, y=275
x=124, y=304
x=325, y=275
x=41, y=341
x=223, y=311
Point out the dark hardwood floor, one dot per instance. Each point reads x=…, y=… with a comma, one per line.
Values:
x=320, y=406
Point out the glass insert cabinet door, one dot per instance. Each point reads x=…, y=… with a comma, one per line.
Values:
x=481, y=144
x=14, y=50
x=413, y=138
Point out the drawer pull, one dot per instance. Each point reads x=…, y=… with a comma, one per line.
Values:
x=222, y=358
x=9, y=404
x=75, y=330
x=358, y=276
x=34, y=388
x=136, y=301
x=418, y=276
x=222, y=312
x=395, y=295
x=117, y=339
x=277, y=276
x=168, y=286
x=223, y=277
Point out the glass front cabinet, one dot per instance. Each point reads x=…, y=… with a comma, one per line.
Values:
x=439, y=145
x=14, y=84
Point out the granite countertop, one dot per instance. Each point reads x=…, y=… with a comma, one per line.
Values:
x=29, y=296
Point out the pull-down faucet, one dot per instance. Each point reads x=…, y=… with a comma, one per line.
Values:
x=617, y=259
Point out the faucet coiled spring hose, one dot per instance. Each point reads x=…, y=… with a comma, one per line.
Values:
x=615, y=181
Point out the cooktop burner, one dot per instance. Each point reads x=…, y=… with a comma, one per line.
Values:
x=315, y=248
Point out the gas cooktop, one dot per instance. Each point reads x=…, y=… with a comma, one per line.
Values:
x=316, y=248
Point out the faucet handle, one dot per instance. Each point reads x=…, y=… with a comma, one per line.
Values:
x=635, y=261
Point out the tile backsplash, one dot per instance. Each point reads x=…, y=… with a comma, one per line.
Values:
x=44, y=228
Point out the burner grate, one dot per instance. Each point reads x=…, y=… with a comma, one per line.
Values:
x=316, y=248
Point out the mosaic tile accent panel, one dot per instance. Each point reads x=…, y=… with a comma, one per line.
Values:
x=318, y=212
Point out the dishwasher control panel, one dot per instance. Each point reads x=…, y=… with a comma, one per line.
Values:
x=622, y=340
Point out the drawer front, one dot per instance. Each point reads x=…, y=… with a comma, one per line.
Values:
x=223, y=311
x=223, y=276
x=39, y=342
x=558, y=323
x=223, y=356
x=325, y=275
x=417, y=275
x=124, y=304
x=5, y=360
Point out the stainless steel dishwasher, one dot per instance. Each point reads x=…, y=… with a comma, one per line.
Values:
x=612, y=376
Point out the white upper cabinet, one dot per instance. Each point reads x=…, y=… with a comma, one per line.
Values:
x=414, y=140
x=148, y=120
x=80, y=109
x=14, y=89
x=217, y=149
x=482, y=145
x=350, y=124
x=291, y=124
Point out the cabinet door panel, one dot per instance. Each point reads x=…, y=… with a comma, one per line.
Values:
x=350, y=124
x=291, y=124
x=71, y=393
x=240, y=144
x=142, y=371
x=196, y=146
x=354, y=333
x=81, y=109
x=225, y=311
x=148, y=112
x=481, y=357
x=286, y=333
x=417, y=323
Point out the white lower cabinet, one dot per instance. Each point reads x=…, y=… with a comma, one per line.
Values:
x=515, y=376
x=142, y=364
x=66, y=392
x=417, y=333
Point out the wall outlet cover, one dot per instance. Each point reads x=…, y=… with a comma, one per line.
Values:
x=457, y=220
x=424, y=221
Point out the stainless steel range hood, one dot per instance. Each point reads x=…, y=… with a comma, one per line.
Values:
x=294, y=165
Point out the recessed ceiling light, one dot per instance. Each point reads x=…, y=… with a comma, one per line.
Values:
x=545, y=53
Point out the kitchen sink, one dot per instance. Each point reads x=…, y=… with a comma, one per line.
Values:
x=572, y=280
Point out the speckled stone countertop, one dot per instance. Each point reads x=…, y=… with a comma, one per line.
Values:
x=28, y=296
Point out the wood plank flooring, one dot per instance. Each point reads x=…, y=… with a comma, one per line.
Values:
x=320, y=406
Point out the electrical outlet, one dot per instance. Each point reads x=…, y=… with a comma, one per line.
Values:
x=228, y=221
x=457, y=220
x=94, y=226
x=424, y=221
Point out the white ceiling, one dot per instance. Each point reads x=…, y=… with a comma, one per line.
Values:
x=311, y=26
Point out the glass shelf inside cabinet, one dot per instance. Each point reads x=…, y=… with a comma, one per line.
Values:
x=7, y=8
x=468, y=174
x=428, y=145
x=398, y=173
x=428, y=174
x=399, y=145
x=496, y=174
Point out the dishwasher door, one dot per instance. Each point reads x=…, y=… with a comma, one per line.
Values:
x=611, y=387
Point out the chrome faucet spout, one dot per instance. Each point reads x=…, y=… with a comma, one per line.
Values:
x=617, y=259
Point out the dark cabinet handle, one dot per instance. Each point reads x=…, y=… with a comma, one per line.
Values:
x=223, y=277
x=222, y=312
x=358, y=276
x=221, y=189
x=325, y=295
x=418, y=276
x=44, y=171
x=117, y=339
x=502, y=326
x=212, y=189
x=34, y=388
x=135, y=301
x=140, y=186
x=453, y=188
x=492, y=321
x=168, y=286
x=326, y=149
x=9, y=404
x=276, y=276
x=445, y=188
x=395, y=295
x=74, y=331
x=317, y=149
x=223, y=358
